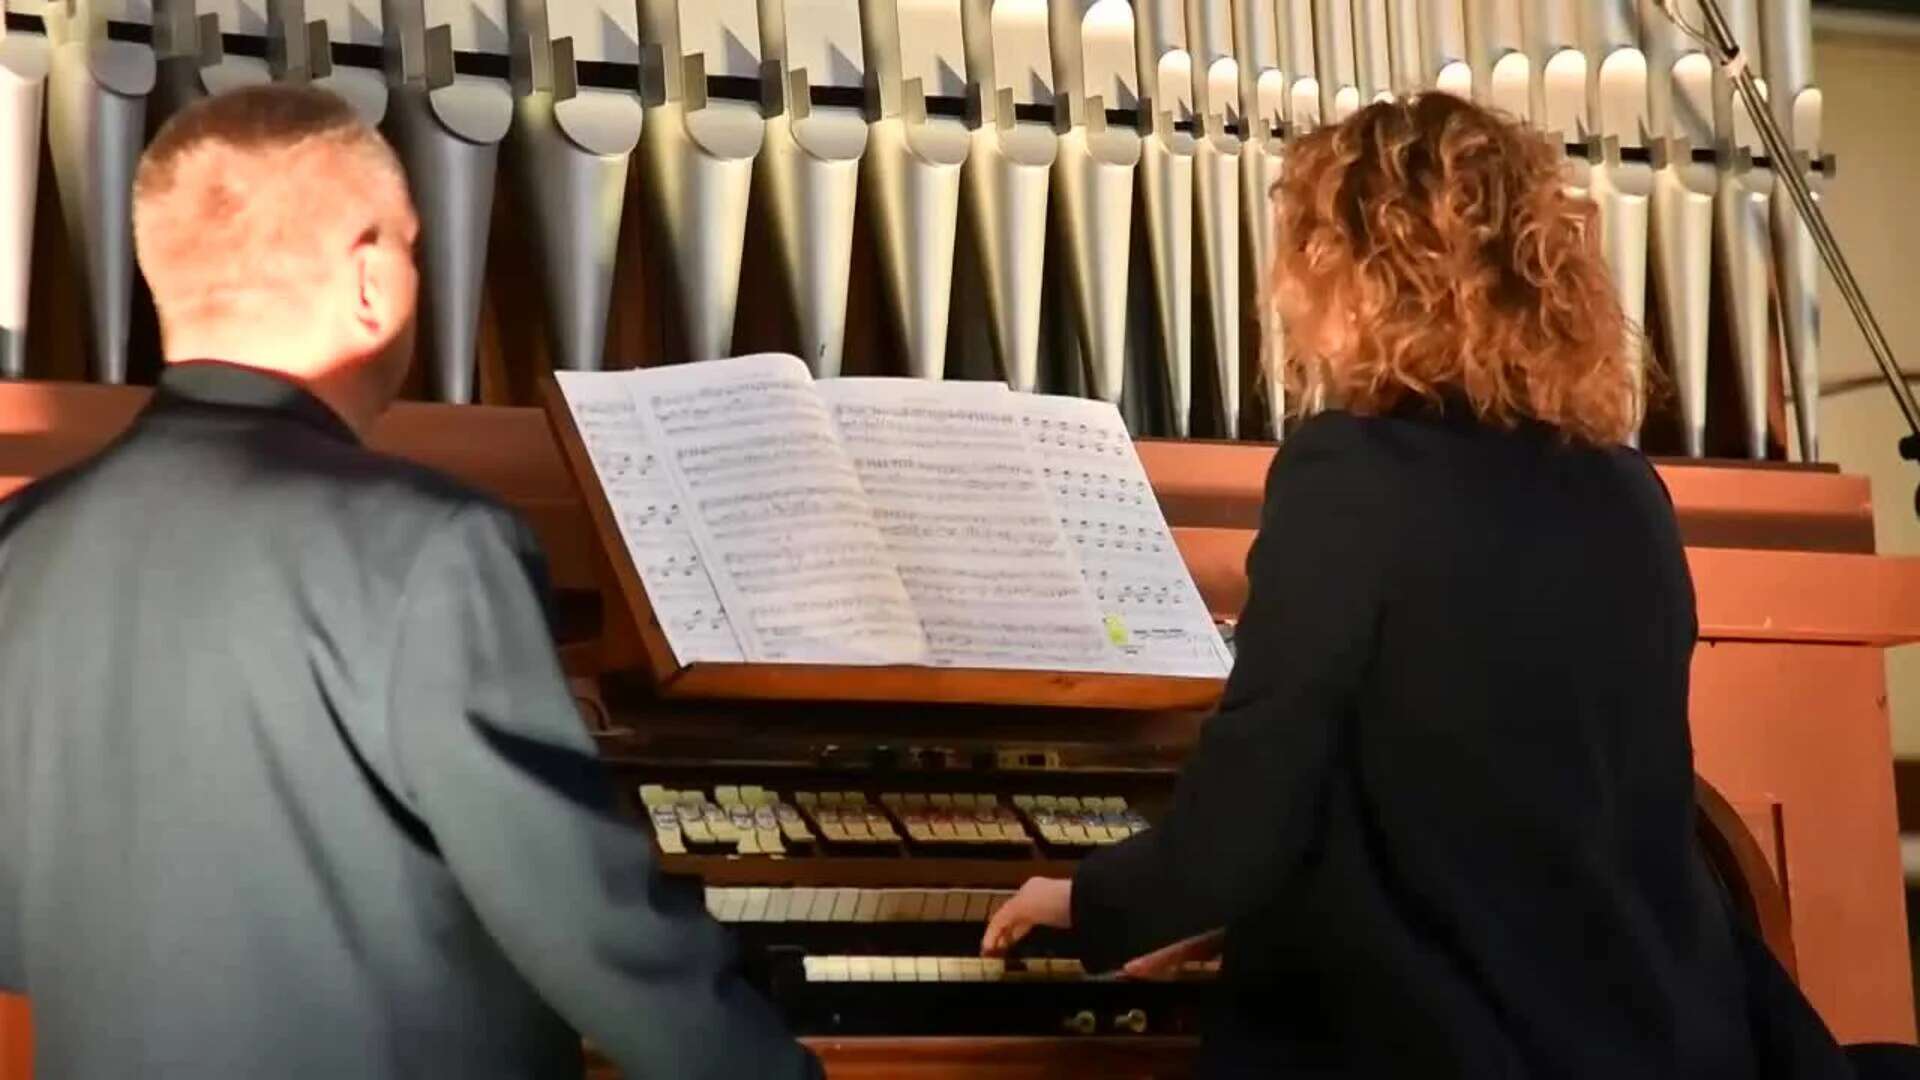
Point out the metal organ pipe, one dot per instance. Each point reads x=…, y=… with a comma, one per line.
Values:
x=1796, y=106
x=1263, y=113
x=916, y=52
x=299, y=50
x=1010, y=82
x=1497, y=52
x=1443, y=41
x=447, y=129
x=1333, y=59
x=1372, y=55
x=23, y=77
x=1093, y=50
x=1166, y=185
x=1557, y=94
x=96, y=122
x=810, y=163
x=568, y=154
x=697, y=153
x=1680, y=119
x=1622, y=175
x=1216, y=160
x=1743, y=245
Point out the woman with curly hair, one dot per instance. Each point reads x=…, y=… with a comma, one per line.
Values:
x=1443, y=822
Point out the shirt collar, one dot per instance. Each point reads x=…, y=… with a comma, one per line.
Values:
x=234, y=386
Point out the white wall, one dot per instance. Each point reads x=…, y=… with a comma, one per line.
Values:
x=1869, y=74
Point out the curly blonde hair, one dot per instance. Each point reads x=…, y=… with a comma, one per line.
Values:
x=1441, y=240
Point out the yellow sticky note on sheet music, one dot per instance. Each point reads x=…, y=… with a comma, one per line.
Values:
x=1116, y=630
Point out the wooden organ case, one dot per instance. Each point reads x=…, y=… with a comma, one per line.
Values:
x=1789, y=726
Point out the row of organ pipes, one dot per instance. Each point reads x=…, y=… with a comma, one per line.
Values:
x=967, y=118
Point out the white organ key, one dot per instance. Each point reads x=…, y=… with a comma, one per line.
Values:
x=715, y=902
x=754, y=910
x=779, y=905
x=926, y=969
x=867, y=906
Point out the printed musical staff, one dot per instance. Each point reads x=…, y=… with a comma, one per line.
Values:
x=788, y=536
x=967, y=518
x=1109, y=514
x=653, y=526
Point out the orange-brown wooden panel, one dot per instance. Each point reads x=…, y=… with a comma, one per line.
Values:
x=1117, y=1058
x=1806, y=726
x=1721, y=504
x=16, y=1039
x=1742, y=595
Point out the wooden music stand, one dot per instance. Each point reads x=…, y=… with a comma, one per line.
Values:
x=645, y=641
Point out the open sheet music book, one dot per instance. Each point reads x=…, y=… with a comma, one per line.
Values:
x=777, y=519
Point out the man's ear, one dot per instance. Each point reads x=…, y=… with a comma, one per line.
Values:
x=382, y=300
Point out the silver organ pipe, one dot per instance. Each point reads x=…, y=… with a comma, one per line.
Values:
x=447, y=129
x=933, y=116
x=568, y=153
x=1622, y=175
x=697, y=154
x=23, y=79
x=1680, y=118
x=1333, y=59
x=1796, y=106
x=1216, y=164
x=1263, y=111
x=186, y=41
x=1093, y=50
x=1166, y=185
x=1407, y=57
x=96, y=122
x=338, y=21
x=1743, y=245
x=810, y=163
x=1557, y=94
x=1372, y=51
x=1497, y=52
x=916, y=52
x=1006, y=179
x=1443, y=44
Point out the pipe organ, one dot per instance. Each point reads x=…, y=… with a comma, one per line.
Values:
x=1083, y=173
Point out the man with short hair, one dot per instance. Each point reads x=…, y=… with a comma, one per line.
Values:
x=290, y=782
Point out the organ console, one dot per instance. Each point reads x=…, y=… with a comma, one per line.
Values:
x=857, y=844
x=856, y=847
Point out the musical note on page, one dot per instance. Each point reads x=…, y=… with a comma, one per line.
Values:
x=960, y=500
x=777, y=512
x=1107, y=509
x=653, y=525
